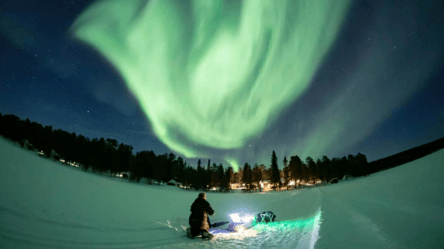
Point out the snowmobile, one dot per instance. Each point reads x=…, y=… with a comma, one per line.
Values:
x=237, y=224
x=242, y=223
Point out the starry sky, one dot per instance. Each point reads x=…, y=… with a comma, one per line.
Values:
x=229, y=80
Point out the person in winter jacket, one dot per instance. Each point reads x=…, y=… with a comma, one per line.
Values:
x=199, y=218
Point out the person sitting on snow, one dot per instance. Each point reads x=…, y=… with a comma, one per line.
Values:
x=199, y=218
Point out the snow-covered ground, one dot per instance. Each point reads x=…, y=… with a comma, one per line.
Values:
x=44, y=204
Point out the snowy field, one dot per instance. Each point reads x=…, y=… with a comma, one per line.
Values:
x=44, y=204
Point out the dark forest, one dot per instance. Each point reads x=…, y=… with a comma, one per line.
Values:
x=108, y=156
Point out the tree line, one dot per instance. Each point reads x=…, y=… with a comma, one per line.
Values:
x=102, y=155
x=297, y=172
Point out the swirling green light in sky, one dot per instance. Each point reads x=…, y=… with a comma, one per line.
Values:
x=212, y=73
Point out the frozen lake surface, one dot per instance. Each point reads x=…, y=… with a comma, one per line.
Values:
x=44, y=204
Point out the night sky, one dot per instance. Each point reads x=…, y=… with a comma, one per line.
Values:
x=231, y=81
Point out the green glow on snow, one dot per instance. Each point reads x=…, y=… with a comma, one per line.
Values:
x=212, y=73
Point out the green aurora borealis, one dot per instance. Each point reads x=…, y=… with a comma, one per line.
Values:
x=212, y=73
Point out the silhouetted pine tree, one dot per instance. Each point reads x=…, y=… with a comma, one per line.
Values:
x=240, y=175
x=321, y=170
x=286, y=173
x=246, y=177
x=275, y=179
x=361, y=165
x=296, y=168
x=314, y=171
x=327, y=168
x=222, y=178
x=257, y=176
x=229, y=175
